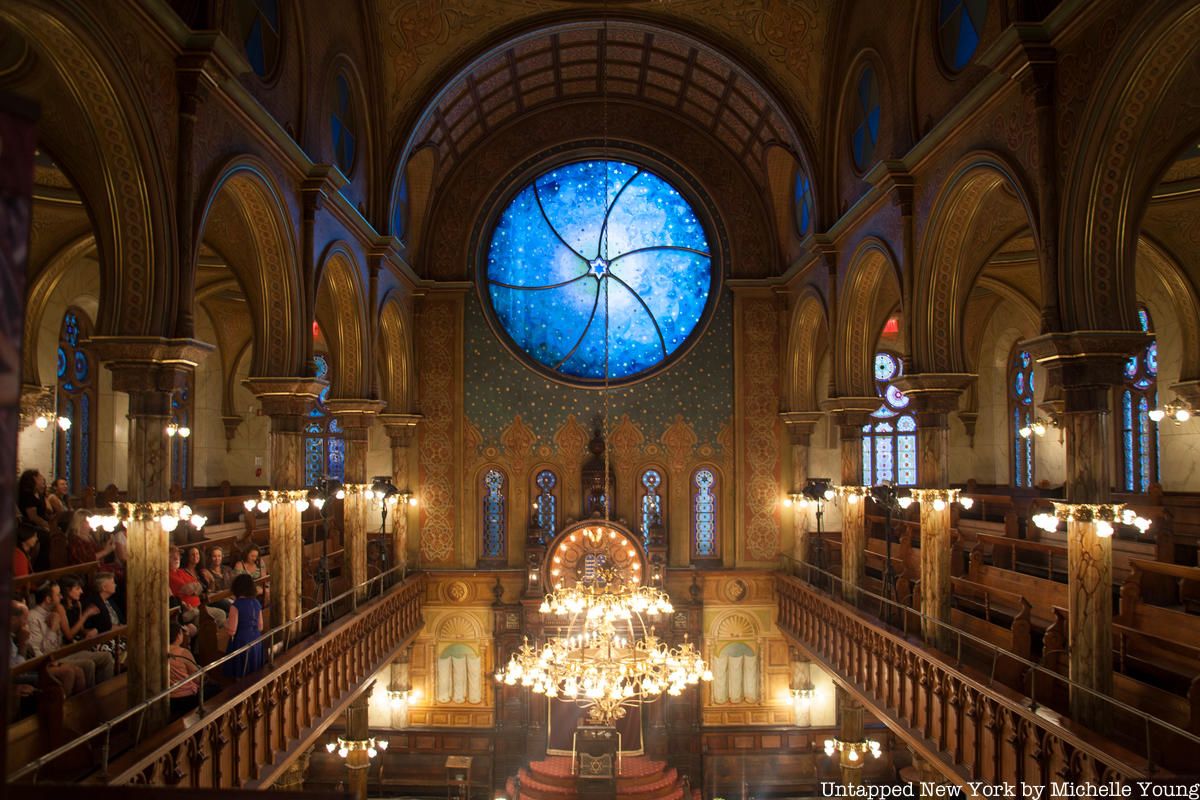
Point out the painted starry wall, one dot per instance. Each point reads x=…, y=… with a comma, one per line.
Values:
x=499, y=386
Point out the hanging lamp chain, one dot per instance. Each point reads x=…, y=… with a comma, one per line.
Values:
x=603, y=67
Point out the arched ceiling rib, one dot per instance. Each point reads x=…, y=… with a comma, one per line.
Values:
x=651, y=65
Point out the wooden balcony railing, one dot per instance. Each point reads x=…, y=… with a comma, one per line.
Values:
x=983, y=729
x=247, y=735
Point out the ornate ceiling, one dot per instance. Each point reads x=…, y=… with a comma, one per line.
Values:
x=499, y=59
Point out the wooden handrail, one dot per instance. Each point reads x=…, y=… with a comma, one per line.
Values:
x=35, y=579
x=1181, y=571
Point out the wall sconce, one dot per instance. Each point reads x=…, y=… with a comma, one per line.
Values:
x=802, y=698
x=940, y=498
x=168, y=515
x=345, y=747
x=398, y=698
x=1179, y=412
x=854, y=750
x=1038, y=427
x=175, y=429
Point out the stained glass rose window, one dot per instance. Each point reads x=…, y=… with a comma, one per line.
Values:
x=597, y=252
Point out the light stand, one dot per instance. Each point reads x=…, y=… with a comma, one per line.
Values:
x=327, y=489
x=383, y=490
x=891, y=498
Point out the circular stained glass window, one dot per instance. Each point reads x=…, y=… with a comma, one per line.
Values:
x=599, y=271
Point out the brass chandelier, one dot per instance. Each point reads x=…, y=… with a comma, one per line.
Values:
x=605, y=666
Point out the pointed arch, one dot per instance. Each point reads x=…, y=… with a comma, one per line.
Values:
x=398, y=381
x=870, y=292
x=951, y=257
x=342, y=309
x=38, y=296
x=113, y=158
x=808, y=336
x=268, y=275
x=1178, y=290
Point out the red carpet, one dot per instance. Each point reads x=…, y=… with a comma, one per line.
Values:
x=639, y=779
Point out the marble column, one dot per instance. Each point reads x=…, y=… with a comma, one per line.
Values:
x=800, y=425
x=1087, y=365
x=292, y=779
x=932, y=397
x=355, y=417
x=850, y=414
x=801, y=678
x=148, y=370
x=146, y=593
x=286, y=401
x=850, y=729
x=928, y=776
x=401, y=430
x=358, y=762
x=401, y=680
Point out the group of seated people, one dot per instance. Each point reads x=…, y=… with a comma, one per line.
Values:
x=73, y=608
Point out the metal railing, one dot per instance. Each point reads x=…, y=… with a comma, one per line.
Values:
x=833, y=586
x=285, y=633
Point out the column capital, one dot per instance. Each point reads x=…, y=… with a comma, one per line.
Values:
x=355, y=413
x=800, y=424
x=285, y=397
x=933, y=395
x=147, y=364
x=851, y=413
x=1086, y=364
x=400, y=427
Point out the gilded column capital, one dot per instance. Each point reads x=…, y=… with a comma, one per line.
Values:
x=800, y=424
x=285, y=397
x=148, y=364
x=934, y=395
x=851, y=413
x=355, y=412
x=400, y=427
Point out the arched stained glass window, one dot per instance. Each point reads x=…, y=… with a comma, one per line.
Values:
x=890, y=442
x=960, y=23
x=324, y=447
x=495, y=525
x=802, y=202
x=1020, y=415
x=182, y=413
x=262, y=35
x=652, y=502
x=866, y=114
x=598, y=271
x=342, y=125
x=545, y=516
x=704, y=514
x=76, y=401
x=1138, y=433
x=400, y=211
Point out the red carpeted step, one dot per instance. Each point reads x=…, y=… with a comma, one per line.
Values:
x=640, y=779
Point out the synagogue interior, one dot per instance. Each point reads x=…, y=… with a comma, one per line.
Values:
x=639, y=399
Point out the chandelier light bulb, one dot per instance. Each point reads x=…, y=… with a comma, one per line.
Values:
x=905, y=502
x=1104, y=528
x=169, y=522
x=1025, y=431
x=939, y=504
x=1157, y=415
x=172, y=428
x=248, y=503
x=340, y=494
x=343, y=752
x=198, y=521
x=787, y=502
x=830, y=494
x=1182, y=414
x=264, y=506
x=185, y=431
x=319, y=502
x=42, y=423
x=64, y=423
x=330, y=747
x=301, y=505
x=966, y=502
x=852, y=499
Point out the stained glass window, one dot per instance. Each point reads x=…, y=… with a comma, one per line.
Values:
x=598, y=270
x=182, y=412
x=960, y=23
x=802, y=202
x=1020, y=415
x=652, y=502
x=324, y=447
x=890, y=442
x=546, y=511
x=704, y=513
x=342, y=125
x=76, y=401
x=1138, y=433
x=866, y=115
x=400, y=211
x=262, y=35
x=494, y=524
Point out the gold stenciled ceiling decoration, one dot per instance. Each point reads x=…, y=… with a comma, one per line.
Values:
x=782, y=40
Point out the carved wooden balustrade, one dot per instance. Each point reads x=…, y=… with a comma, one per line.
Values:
x=247, y=737
x=979, y=732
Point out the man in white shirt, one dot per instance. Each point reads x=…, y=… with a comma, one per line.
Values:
x=46, y=623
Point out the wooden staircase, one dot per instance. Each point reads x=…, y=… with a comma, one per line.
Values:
x=640, y=779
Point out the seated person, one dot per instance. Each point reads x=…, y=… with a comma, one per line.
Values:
x=31, y=503
x=217, y=577
x=185, y=696
x=188, y=588
x=83, y=548
x=77, y=612
x=47, y=626
x=108, y=613
x=69, y=676
x=23, y=556
x=59, y=498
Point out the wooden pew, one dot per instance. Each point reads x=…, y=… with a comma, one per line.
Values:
x=1038, y=558
x=1169, y=624
x=1169, y=585
x=1042, y=594
x=995, y=616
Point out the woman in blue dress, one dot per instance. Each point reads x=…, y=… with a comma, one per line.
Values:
x=244, y=625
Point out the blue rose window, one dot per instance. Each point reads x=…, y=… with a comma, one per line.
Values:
x=594, y=253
